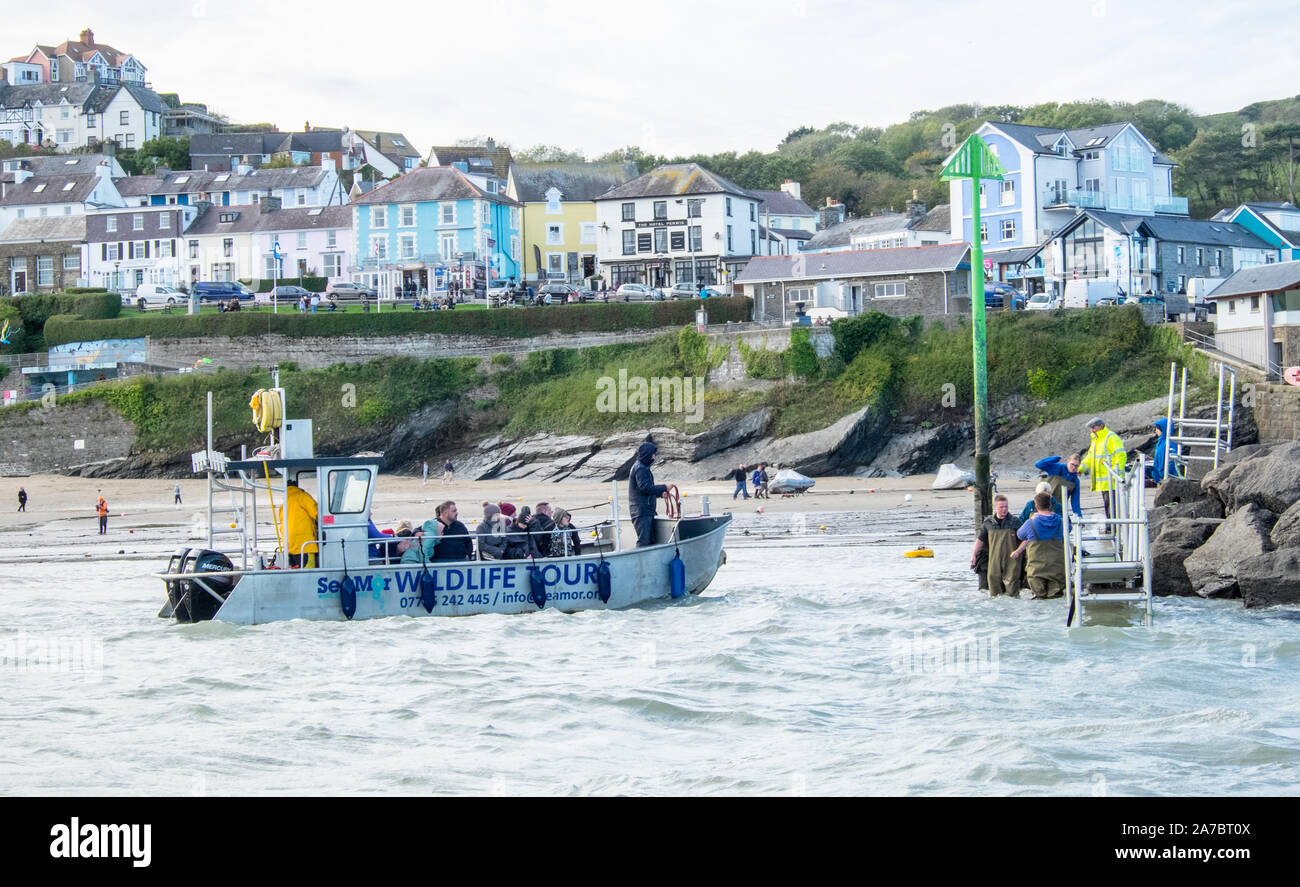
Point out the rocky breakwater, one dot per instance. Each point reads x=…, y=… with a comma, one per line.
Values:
x=1236, y=533
x=708, y=455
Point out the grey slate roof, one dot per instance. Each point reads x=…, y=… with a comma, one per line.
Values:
x=429, y=184
x=62, y=164
x=575, y=181
x=51, y=190
x=147, y=98
x=190, y=181
x=137, y=186
x=676, y=180
x=855, y=263
x=782, y=204
x=842, y=234
x=252, y=218
x=54, y=228
x=497, y=157
x=1260, y=279
x=937, y=219
x=15, y=95
x=386, y=143
x=1201, y=231
x=264, y=179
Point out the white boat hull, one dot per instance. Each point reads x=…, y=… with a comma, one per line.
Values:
x=473, y=587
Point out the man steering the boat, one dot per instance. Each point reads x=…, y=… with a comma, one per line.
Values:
x=643, y=491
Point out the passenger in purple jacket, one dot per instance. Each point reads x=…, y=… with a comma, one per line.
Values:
x=1063, y=475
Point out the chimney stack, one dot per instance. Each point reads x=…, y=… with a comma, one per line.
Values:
x=915, y=208
x=794, y=189
x=22, y=174
x=306, y=126
x=201, y=207
x=268, y=205
x=88, y=37
x=491, y=143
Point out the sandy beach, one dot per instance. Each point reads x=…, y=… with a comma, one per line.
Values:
x=69, y=501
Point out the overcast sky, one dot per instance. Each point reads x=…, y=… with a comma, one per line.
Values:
x=674, y=76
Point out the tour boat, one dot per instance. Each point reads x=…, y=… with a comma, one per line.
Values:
x=250, y=582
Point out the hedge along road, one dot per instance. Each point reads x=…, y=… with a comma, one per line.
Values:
x=510, y=322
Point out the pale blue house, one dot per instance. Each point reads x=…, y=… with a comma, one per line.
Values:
x=433, y=226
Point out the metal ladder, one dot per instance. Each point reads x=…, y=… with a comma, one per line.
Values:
x=219, y=479
x=1121, y=549
x=1185, y=433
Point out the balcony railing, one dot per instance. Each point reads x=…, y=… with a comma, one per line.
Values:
x=1176, y=205
x=1131, y=202
x=1053, y=197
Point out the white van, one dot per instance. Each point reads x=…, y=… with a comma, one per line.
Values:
x=1086, y=293
x=156, y=295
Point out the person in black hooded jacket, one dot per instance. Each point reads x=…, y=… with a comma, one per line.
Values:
x=643, y=491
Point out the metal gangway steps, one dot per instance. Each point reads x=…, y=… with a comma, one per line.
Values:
x=1108, y=559
x=1187, y=434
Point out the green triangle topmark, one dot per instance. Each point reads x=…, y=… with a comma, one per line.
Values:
x=973, y=160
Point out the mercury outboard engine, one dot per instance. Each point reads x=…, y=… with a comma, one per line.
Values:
x=197, y=600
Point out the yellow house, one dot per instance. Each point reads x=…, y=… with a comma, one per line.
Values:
x=559, y=224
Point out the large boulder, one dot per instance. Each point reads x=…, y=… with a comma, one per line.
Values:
x=730, y=433
x=1270, y=578
x=1212, y=568
x=1179, y=489
x=1286, y=532
x=1221, y=482
x=1179, y=537
x=1198, y=508
x=1270, y=480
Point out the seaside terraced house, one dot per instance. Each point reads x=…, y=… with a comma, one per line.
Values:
x=42, y=255
x=1276, y=223
x=786, y=222
x=128, y=247
x=238, y=243
x=76, y=61
x=559, y=215
x=292, y=186
x=1257, y=318
x=916, y=227
x=72, y=115
x=487, y=165
x=1151, y=253
x=1053, y=174
x=389, y=154
x=678, y=223
x=37, y=197
x=433, y=225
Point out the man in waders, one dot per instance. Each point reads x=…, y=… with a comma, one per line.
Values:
x=992, y=559
x=1043, y=544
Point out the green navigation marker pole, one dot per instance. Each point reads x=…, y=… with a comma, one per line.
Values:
x=974, y=161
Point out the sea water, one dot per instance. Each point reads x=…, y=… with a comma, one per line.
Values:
x=818, y=662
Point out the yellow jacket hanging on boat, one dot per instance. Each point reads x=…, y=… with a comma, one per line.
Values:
x=1106, y=447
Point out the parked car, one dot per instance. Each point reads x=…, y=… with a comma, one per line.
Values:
x=156, y=295
x=995, y=295
x=348, y=290
x=587, y=294
x=221, y=291
x=558, y=292
x=288, y=295
x=639, y=292
x=1043, y=302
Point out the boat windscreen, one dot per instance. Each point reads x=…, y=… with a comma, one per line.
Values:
x=348, y=490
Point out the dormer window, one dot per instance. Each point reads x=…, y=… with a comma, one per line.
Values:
x=228, y=217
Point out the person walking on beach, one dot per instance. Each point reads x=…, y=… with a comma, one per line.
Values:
x=177, y=491
x=739, y=476
x=424, y=471
x=101, y=508
x=22, y=499
x=448, y=472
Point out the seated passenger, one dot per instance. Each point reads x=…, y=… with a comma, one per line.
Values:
x=517, y=532
x=491, y=533
x=455, y=542
x=564, y=531
x=422, y=544
x=539, y=531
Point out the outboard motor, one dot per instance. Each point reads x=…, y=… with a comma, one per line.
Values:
x=174, y=592
x=190, y=598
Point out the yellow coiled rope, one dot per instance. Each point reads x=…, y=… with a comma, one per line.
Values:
x=267, y=409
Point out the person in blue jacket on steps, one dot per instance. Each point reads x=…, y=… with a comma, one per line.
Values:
x=1063, y=475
